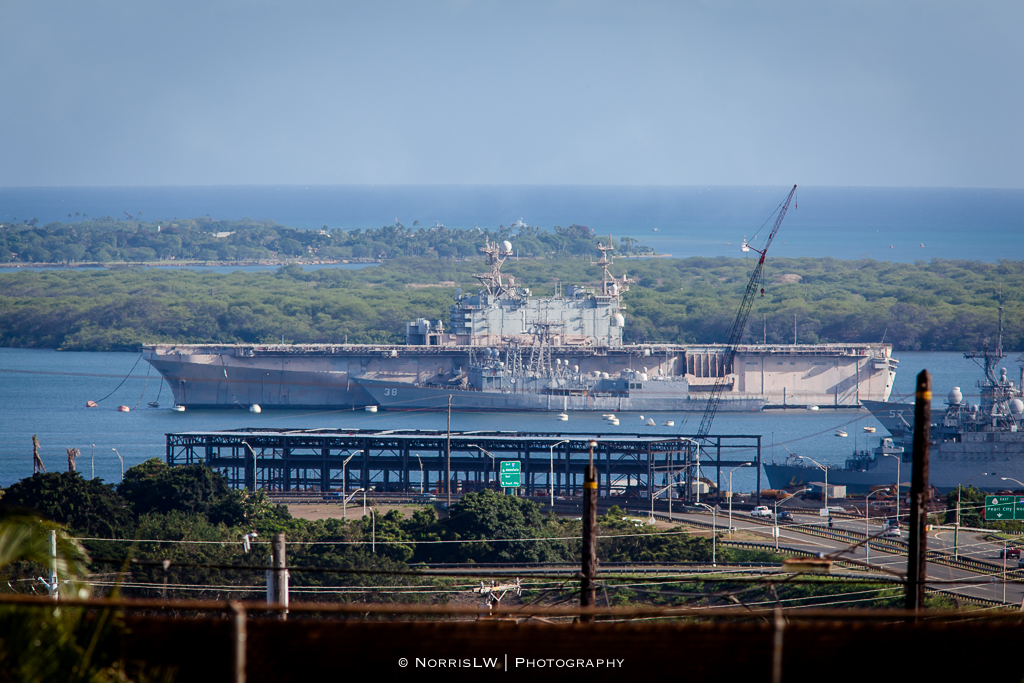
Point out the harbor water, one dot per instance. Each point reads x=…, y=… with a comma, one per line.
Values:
x=44, y=392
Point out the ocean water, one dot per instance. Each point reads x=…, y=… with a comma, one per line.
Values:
x=886, y=224
x=43, y=393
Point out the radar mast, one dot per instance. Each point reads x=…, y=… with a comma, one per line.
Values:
x=496, y=255
x=611, y=285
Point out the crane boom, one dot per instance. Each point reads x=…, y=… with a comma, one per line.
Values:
x=739, y=324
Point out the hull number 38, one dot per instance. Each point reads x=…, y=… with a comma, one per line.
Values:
x=391, y=392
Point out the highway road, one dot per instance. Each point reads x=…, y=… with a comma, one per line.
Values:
x=972, y=545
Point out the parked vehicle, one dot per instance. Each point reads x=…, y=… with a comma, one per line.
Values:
x=762, y=511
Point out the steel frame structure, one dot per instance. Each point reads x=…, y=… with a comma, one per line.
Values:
x=311, y=459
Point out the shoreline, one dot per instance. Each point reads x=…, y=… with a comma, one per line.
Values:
x=124, y=265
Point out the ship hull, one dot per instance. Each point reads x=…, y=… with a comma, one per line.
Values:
x=338, y=376
x=982, y=458
x=399, y=396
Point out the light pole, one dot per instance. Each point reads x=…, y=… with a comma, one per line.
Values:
x=122, y=462
x=956, y=529
x=344, y=484
x=1012, y=479
x=246, y=444
x=345, y=502
x=473, y=445
x=420, y=461
x=867, y=531
x=730, y=493
x=776, y=520
x=899, y=457
x=551, y=475
x=373, y=531
x=344, y=473
x=714, y=532
x=825, y=470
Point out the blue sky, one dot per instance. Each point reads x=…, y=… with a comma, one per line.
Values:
x=558, y=92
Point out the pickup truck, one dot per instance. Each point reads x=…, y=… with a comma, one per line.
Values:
x=762, y=511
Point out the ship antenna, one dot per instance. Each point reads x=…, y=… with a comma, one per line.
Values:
x=999, y=349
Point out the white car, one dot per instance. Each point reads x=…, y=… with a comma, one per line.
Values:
x=892, y=532
x=762, y=511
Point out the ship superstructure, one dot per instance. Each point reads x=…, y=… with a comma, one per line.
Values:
x=504, y=349
x=981, y=442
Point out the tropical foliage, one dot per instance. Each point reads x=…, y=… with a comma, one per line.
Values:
x=936, y=306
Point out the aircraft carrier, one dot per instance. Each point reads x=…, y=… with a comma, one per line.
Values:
x=504, y=349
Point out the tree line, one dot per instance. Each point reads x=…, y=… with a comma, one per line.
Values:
x=931, y=306
x=109, y=240
x=204, y=521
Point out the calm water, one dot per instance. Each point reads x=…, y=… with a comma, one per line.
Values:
x=887, y=224
x=44, y=392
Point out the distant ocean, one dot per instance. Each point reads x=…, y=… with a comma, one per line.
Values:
x=886, y=224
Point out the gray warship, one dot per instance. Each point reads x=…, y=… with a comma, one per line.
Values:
x=982, y=443
x=504, y=349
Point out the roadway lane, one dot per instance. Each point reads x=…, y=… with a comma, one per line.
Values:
x=971, y=545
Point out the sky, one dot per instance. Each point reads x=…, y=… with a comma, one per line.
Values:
x=554, y=92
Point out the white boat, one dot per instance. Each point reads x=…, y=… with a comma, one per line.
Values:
x=563, y=417
x=869, y=430
x=840, y=432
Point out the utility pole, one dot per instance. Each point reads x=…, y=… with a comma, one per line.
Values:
x=448, y=456
x=919, y=493
x=54, y=585
x=587, y=589
x=277, y=585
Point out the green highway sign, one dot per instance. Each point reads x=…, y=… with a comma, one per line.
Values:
x=1004, y=508
x=510, y=475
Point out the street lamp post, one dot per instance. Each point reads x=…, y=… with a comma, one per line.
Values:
x=867, y=531
x=344, y=484
x=346, y=499
x=484, y=450
x=1012, y=479
x=551, y=474
x=898, y=457
x=776, y=517
x=825, y=470
x=246, y=444
x=714, y=532
x=122, y=462
x=730, y=493
x=420, y=461
x=956, y=529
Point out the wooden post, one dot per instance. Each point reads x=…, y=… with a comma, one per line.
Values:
x=588, y=589
x=238, y=638
x=918, y=545
x=448, y=457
